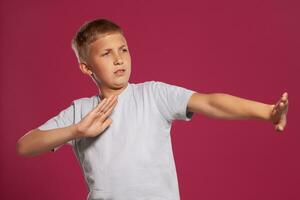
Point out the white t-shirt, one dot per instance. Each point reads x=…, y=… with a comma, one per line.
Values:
x=133, y=158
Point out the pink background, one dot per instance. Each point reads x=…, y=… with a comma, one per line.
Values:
x=248, y=49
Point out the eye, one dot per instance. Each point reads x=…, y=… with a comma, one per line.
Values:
x=105, y=54
x=124, y=50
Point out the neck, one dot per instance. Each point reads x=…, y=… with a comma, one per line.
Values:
x=105, y=92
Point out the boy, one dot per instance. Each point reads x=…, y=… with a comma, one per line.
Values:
x=121, y=137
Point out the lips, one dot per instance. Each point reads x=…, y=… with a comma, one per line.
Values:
x=119, y=71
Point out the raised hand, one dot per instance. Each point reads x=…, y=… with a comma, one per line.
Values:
x=96, y=121
x=279, y=113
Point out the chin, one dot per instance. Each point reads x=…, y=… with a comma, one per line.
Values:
x=121, y=84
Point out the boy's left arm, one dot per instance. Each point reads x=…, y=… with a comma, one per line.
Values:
x=225, y=106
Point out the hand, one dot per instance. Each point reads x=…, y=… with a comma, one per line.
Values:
x=96, y=121
x=279, y=113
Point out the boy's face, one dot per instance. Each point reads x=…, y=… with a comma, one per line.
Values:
x=109, y=59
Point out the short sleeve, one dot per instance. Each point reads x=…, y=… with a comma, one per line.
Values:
x=63, y=119
x=172, y=101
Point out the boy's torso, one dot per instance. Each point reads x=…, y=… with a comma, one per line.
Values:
x=132, y=159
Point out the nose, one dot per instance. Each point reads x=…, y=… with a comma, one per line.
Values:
x=118, y=60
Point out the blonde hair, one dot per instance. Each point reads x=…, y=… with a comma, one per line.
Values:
x=89, y=32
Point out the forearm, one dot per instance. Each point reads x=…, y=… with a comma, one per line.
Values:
x=231, y=107
x=38, y=141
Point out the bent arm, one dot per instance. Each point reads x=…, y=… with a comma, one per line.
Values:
x=38, y=141
x=225, y=106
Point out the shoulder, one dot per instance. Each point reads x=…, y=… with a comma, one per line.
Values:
x=83, y=105
x=156, y=88
x=149, y=84
x=143, y=88
x=85, y=101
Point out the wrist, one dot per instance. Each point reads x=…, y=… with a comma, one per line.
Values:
x=75, y=131
x=270, y=111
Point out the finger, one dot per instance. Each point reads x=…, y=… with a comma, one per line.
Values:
x=279, y=128
x=277, y=105
x=283, y=99
x=282, y=123
x=109, y=104
x=100, y=105
x=277, y=114
x=285, y=95
x=283, y=106
x=109, y=111
x=107, y=122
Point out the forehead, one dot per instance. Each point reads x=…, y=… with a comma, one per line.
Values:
x=108, y=41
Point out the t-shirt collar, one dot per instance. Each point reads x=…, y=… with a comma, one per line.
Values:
x=122, y=94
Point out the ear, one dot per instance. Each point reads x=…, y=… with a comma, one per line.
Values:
x=85, y=68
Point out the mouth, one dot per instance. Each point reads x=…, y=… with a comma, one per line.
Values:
x=120, y=72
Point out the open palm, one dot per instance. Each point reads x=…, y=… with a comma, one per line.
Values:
x=279, y=113
x=96, y=121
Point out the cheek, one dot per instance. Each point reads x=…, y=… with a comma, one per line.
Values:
x=104, y=71
x=100, y=65
x=128, y=59
x=129, y=56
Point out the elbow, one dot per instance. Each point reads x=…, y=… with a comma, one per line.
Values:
x=23, y=151
x=20, y=148
x=31, y=144
x=24, y=144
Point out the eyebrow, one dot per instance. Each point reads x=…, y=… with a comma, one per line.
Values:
x=119, y=47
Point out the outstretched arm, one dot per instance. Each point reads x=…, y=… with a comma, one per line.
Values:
x=225, y=106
